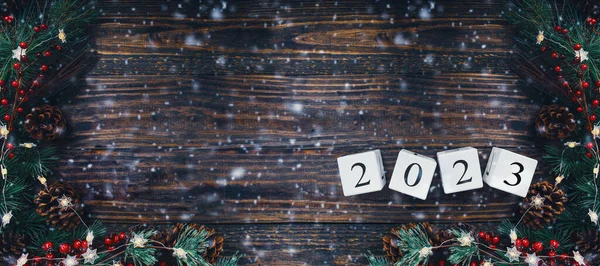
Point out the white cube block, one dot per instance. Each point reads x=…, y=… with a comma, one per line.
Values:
x=460, y=170
x=509, y=171
x=413, y=174
x=361, y=173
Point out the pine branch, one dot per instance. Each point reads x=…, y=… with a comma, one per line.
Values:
x=412, y=242
x=193, y=243
x=229, y=261
x=377, y=260
x=144, y=254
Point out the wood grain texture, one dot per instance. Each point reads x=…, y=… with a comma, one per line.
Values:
x=235, y=117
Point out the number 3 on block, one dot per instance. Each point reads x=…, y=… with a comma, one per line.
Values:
x=460, y=170
x=361, y=173
x=413, y=174
x=509, y=171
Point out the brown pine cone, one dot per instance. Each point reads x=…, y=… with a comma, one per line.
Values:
x=555, y=122
x=215, y=243
x=588, y=242
x=48, y=206
x=45, y=123
x=553, y=205
x=390, y=243
x=12, y=243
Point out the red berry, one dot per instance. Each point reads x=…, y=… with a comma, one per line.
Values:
x=496, y=240
x=557, y=69
x=577, y=47
x=543, y=49
x=473, y=263
x=589, y=145
x=2, y=82
x=557, y=28
x=50, y=256
x=47, y=53
x=77, y=244
x=554, y=244
x=580, y=109
x=7, y=117
x=551, y=253
x=565, y=84
x=593, y=117
x=593, y=21
x=24, y=59
x=37, y=259
x=47, y=246
x=583, y=67
x=23, y=45
x=481, y=234
x=538, y=246
x=116, y=239
x=578, y=93
x=525, y=242
x=518, y=242
x=585, y=84
x=15, y=83
x=122, y=235
x=17, y=66
x=44, y=68
x=4, y=101
x=588, y=154
x=36, y=29
x=111, y=248
x=22, y=92
x=35, y=83
x=84, y=244
x=162, y=263
x=64, y=248
x=554, y=55
x=441, y=263
x=108, y=241
x=44, y=26
x=595, y=102
x=10, y=146
x=488, y=237
x=564, y=31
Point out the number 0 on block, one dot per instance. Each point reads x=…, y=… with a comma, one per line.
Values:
x=413, y=174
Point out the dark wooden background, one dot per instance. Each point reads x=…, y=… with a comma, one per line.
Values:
x=232, y=115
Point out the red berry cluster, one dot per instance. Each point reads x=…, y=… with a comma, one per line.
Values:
x=114, y=239
x=489, y=238
x=9, y=19
x=75, y=249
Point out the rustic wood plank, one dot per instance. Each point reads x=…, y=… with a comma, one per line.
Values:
x=248, y=148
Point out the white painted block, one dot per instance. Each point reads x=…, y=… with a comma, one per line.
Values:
x=460, y=170
x=413, y=174
x=509, y=171
x=361, y=173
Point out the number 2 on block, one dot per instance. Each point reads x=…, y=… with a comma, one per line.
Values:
x=461, y=181
x=364, y=169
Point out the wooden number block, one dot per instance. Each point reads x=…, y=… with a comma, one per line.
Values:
x=361, y=173
x=413, y=174
x=460, y=170
x=509, y=171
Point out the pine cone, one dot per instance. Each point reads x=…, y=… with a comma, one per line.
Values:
x=553, y=205
x=215, y=243
x=390, y=243
x=12, y=243
x=45, y=123
x=555, y=122
x=47, y=206
x=588, y=243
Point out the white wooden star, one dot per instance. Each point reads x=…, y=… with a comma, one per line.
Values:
x=513, y=236
x=6, y=218
x=64, y=202
x=90, y=237
x=138, y=241
x=540, y=37
x=512, y=254
x=537, y=201
x=532, y=259
x=70, y=261
x=425, y=252
x=582, y=54
x=578, y=258
x=90, y=256
x=593, y=216
x=17, y=53
x=465, y=239
x=22, y=260
x=179, y=253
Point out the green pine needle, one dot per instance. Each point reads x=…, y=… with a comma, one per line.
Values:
x=377, y=260
x=229, y=261
x=141, y=256
x=193, y=242
x=412, y=241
